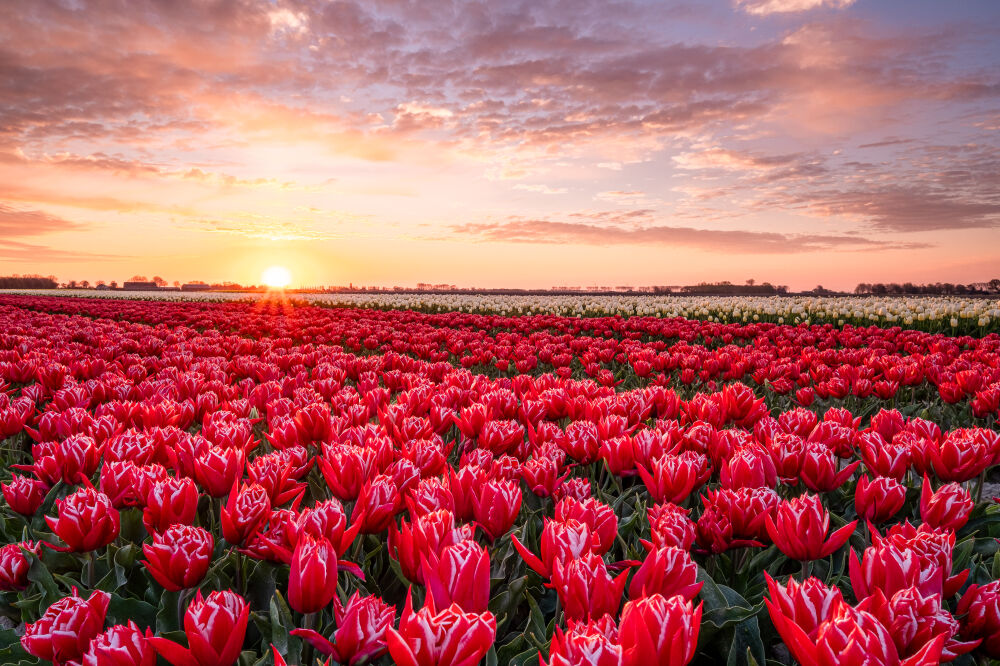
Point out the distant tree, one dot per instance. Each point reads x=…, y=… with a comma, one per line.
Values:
x=85, y=284
x=159, y=282
x=71, y=284
x=101, y=283
x=138, y=278
x=750, y=282
x=177, y=283
x=114, y=284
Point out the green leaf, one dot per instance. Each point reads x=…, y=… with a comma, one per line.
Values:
x=122, y=609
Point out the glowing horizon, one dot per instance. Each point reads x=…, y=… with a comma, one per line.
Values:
x=489, y=144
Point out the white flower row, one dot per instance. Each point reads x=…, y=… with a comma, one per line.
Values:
x=924, y=312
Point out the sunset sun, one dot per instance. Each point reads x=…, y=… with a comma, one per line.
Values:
x=276, y=277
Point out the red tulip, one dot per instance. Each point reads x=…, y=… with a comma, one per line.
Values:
x=312, y=583
x=914, y=620
x=496, y=506
x=179, y=557
x=63, y=633
x=659, y=630
x=819, y=469
x=750, y=466
x=669, y=525
x=561, y=542
x=431, y=533
x=86, y=522
x=215, y=628
x=849, y=636
x=959, y=456
x=121, y=645
x=460, y=575
x=585, y=589
x=597, y=515
x=667, y=572
x=244, y=512
x=377, y=504
x=593, y=643
x=879, y=500
x=932, y=549
x=807, y=604
x=885, y=458
x=450, y=637
x=675, y=477
x=361, y=630
x=78, y=457
x=542, y=475
x=170, y=502
x=218, y=469
x=465, y=484
x=979, y=613
x=327, y=520
x=800, y=526
x=345, y=469
x=947, y=508
x=430, y=495
x=14, y=565
x=24, y=495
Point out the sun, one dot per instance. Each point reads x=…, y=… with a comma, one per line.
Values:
x=276, y=277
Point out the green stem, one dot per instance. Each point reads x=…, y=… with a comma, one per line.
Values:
x=308, y=622
x=91, y=567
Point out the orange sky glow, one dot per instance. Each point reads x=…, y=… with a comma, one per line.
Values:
x=493, y=144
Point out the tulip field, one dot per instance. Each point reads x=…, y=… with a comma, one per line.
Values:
x=209, y=483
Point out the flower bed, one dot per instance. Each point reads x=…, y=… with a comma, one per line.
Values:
x=278, y=483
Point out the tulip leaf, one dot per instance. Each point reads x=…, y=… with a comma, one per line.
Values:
x=39, y=574
x=122, y=609
x=167, y=613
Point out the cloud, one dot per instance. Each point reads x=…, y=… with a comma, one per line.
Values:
x=32, y=253
x=541, y=189
x=16, y=222
x=714, y=240
x=764, y=7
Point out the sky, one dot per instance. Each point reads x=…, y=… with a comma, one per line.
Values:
x=502, y=143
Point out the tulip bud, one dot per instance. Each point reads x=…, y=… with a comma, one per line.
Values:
x=878, y=500
x=979, y=613
x=24, y=495
x=598, y=516
x=244, y=512
x=312, y=583
x=675, y=477
x=449, y=636
x=14, y=565
x=593, y=643
x=658, y=630
x=667, y=572
x=496, y=507
x=217, y=469
x=179, y=557
x=799, y=529
x=585, y=589
x=215, y=627
x=121, y=645
x=948, y=508
x=65, y=630
x=170, y=502
x=86, y=521
x=361, y=630
x=377, y=504
x=460, y=575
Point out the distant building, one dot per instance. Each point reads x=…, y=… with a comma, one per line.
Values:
x=103, y=287
x=140, y=286
x=195, y=286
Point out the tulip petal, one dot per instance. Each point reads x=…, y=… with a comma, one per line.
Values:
x=177, y=655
